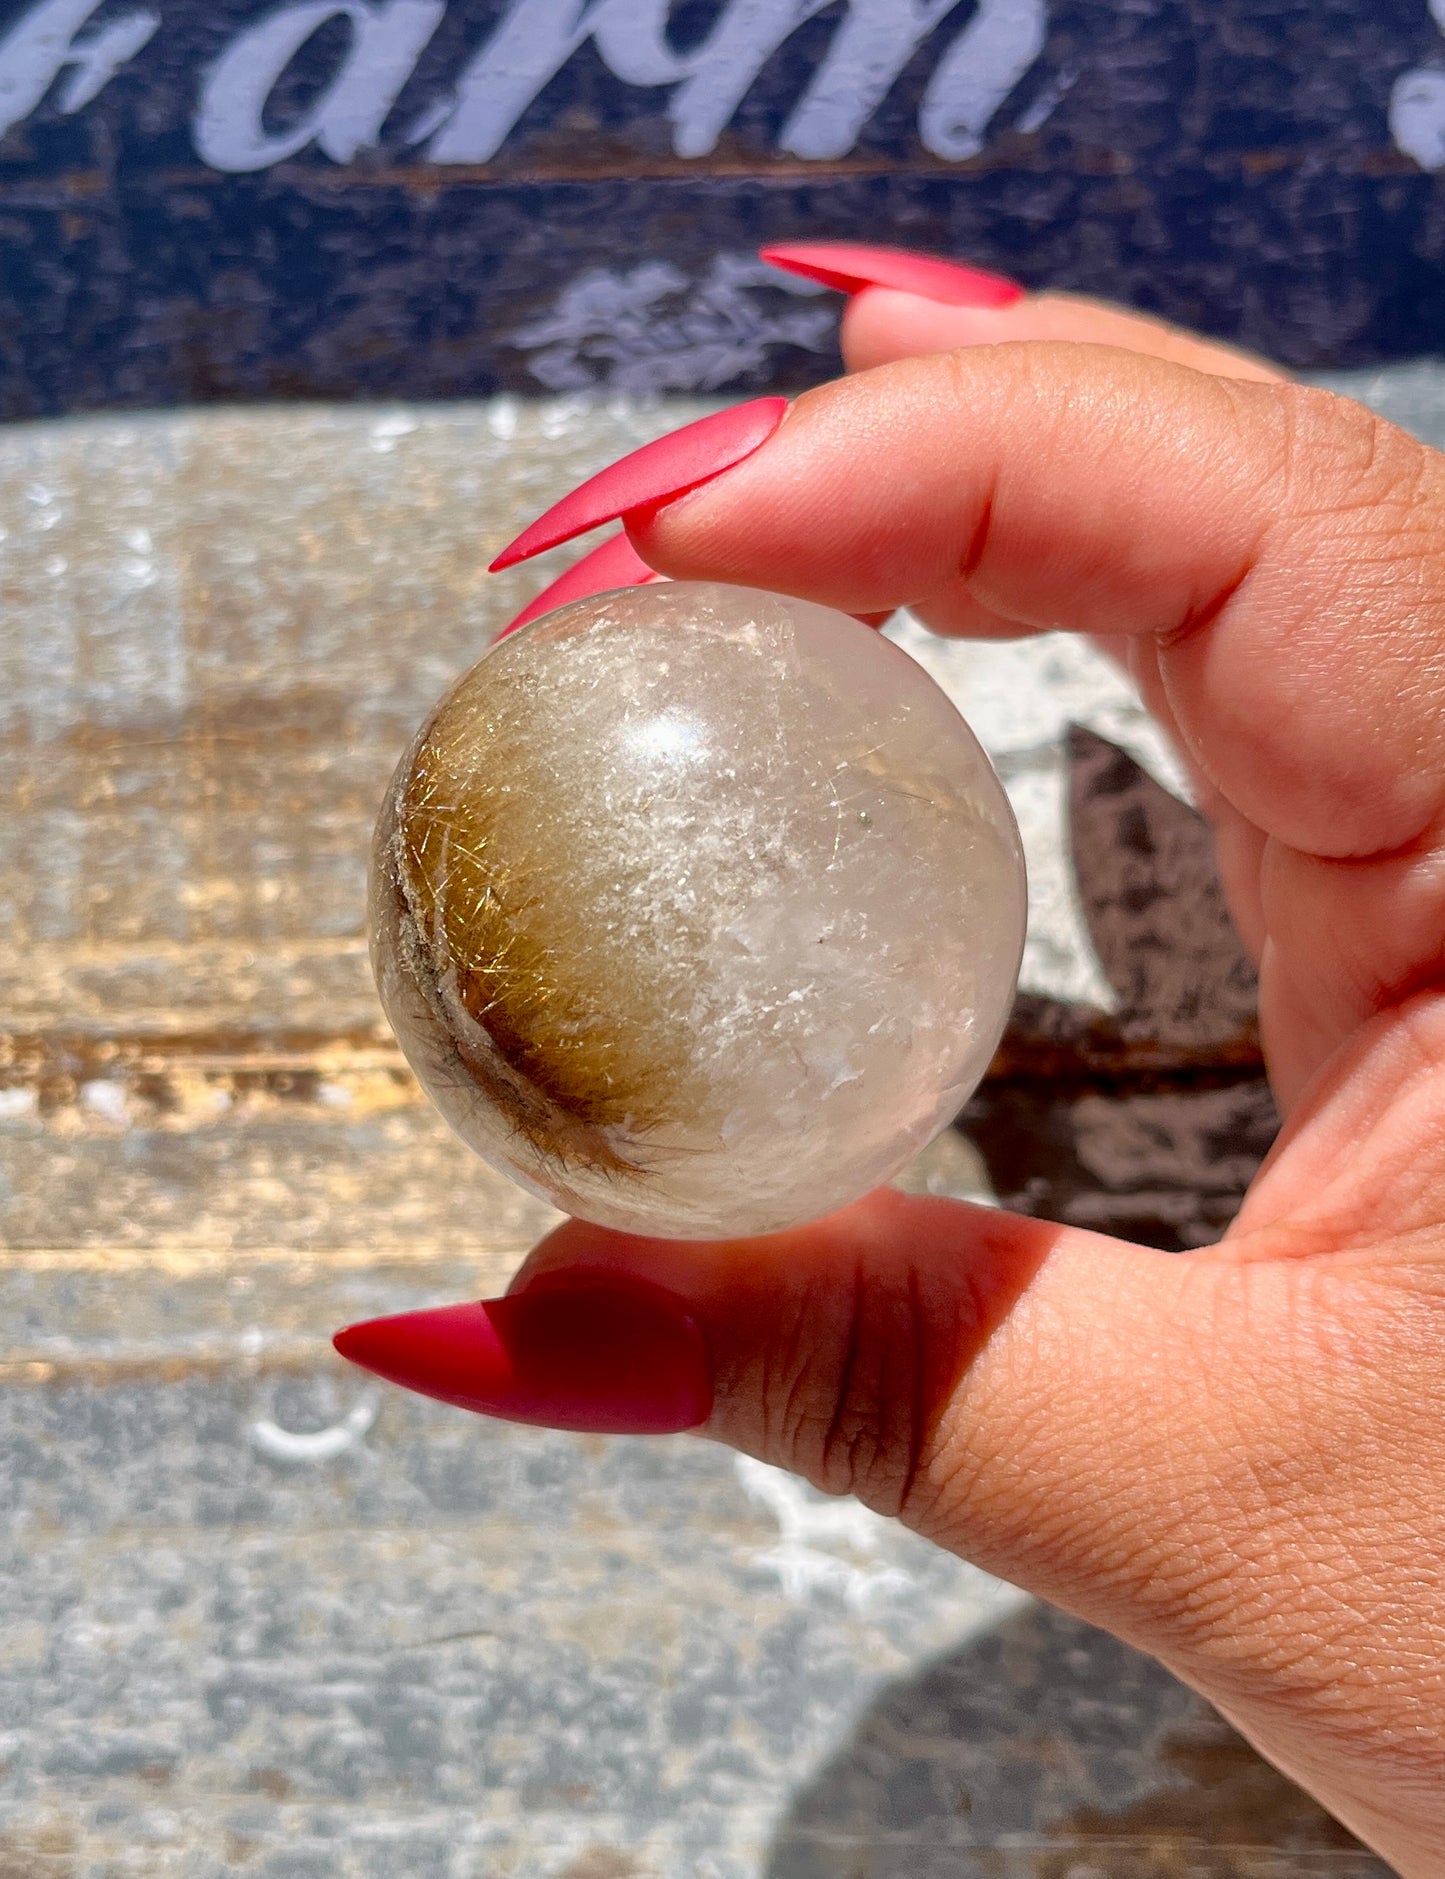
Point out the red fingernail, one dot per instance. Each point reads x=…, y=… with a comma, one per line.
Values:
x=615, y=564
x=850, y=267
x=667, y=467
x=599, y=1356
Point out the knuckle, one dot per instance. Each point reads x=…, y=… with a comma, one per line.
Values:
x=849, y=1390
x=1340, y=460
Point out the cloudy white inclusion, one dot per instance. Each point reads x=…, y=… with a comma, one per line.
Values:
x=669, y=736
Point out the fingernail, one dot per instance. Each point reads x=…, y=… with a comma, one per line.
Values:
x=615, y=564
x=598, y=1356
x=850, y=267
x=667, y=467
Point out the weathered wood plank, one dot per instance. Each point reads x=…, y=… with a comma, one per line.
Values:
x=222, y=635
x=211, y=201
x=292, y=1625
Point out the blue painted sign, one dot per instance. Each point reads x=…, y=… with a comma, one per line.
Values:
x=220, y=198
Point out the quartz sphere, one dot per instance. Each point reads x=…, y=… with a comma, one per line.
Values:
x=697, y=909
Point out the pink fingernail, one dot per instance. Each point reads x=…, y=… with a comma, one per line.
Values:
x=851, y=266
x=596, y=1354
x=667, y=467
x=615, y=564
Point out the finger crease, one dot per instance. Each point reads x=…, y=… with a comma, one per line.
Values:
x=843, y=1390
x=918, y=1358
x=1197, y=619
x=978, y=544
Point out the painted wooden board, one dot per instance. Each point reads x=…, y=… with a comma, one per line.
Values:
x=282, y=1625
x=261, y=1616
x=245, y=199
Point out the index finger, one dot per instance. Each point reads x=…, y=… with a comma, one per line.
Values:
x=881, y=324
x=1284, y=548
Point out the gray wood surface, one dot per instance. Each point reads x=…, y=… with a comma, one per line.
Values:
x=260, y=1616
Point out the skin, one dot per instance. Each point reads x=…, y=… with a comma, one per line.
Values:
x=1233, y=1459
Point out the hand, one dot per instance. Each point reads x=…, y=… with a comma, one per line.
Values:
x=1234, y=1459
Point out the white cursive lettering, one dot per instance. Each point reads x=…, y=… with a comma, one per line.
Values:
x=528, y=49
x=387, y=39
x=869, y=49
x=976, y=74
x=42, y=45
x=721, y=72
x=870, y=46
x=1417, y=107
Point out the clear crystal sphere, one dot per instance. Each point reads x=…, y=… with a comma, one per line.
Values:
x=697, y=909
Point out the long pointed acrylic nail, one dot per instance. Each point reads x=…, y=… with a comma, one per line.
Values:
x=852, y=266
x=667, y=467
x=603, y=1356
x=615, y=564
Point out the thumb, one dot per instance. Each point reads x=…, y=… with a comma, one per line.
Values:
x=1014, y=1390
x=1226, y=1458
x=1030, y=1396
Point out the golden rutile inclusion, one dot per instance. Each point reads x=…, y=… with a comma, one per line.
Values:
x=496, y=949
x=698, y=909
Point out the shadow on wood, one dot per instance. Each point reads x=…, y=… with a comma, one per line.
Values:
x=1150, y=1120
x=1047, y=1750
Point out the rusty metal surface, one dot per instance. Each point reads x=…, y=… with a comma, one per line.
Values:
x=259, y=1617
